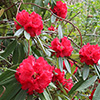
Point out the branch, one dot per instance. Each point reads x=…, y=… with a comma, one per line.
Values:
x=4, y=89
x=7, y=37
x=58, y=18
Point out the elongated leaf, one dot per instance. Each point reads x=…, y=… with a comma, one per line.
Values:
x=75, y=87
x=27, y=35
x=68, y=75
x=53, y=19
x=7, y=73
x=19, y=32
x=21, y=95
x=60, y=63
x=1, y=12
x=11, y=89
x=67, y=66
x=41, y=96
x=85, y=72
x=29, y=97
x=97, y=70
x=46, y=2
x=9, y=49
x=15, y=56
x=96, y=95
x=46, y=95
x=60, y=32
x=87, y=83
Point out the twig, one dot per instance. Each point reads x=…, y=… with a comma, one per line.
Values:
x=4, y=89
x=11, y=6
x=74, y=16
x=74, y=61
x=74, y=42
x=7, y=37
x=70, y=32
x=58, y=18
x=19, y=6
x=74, y=95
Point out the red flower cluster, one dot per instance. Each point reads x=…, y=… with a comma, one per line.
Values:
x=91, y=96
x=71, y=63
x=32, y=23
x=60, y=9
x=59, y=77
x=90, y=54
x=34, y=75
x=51, y=28
x=62, y=49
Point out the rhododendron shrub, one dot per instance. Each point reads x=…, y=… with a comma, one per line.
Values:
x=34, y=74
x=62, y=48
x=90, y=54
x=60, y=9
x=32, y=23
x=42, y=51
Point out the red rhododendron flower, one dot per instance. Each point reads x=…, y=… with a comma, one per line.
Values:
x=59, y=77
x=68, y=84
x=34, y=75
x=51, y=28
x=62, y=49
x=90, y=54
x=60, y=9
x=91, y=96
x=32, y=23
x=71, y=63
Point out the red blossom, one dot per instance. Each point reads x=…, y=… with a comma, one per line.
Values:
x=34, y=75
x=59, y=77
x=32, y=23
x=51, y=28
x=91, y=96
x=71, y=63
x=68, y=84
x=90, y=54
x=60, y=9
x=62, y=49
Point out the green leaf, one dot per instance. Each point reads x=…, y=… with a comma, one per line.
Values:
x=67, y=65
x=9, y=49
x=53, y=19
x=41, y=96
x=7, y=73
x=11, y=90
x=75, y=87
x=21, y=95
x=96, y=95
x=60, y=63
x=27, y=35
x=46, y=2
x=29, y=97
x=52, y=85
x=68, y=75
x=1, y=12
x=19, y=32
x=15, y=55
x=46, y=95
x=18, y=54
x=87, y=83
x=85, y=72
x=60, y=32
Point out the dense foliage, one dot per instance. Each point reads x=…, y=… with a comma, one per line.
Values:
x=49, y=50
